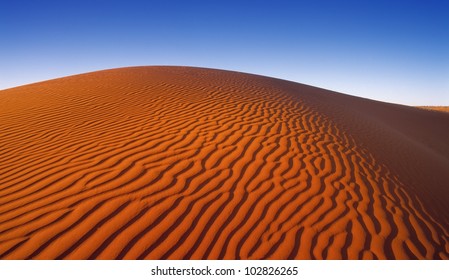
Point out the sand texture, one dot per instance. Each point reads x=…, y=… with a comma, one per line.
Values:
x=193, y=163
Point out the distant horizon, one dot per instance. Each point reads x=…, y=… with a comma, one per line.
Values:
x=395, y=52
x=280, y=78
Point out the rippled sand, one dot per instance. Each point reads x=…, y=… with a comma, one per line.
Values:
x=192, y=163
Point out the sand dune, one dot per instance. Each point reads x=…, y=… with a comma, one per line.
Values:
x=191, y=163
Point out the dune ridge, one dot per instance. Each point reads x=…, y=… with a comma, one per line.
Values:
x=195, y=163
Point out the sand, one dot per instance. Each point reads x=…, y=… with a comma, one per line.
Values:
x=436, y=108
x=193, y=163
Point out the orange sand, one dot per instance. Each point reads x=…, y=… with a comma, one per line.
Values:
x=191, y=163
x=436, y=108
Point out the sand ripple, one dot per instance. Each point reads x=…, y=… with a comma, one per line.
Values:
x=191, y=163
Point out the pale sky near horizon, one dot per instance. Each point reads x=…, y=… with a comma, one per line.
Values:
x=393, y=51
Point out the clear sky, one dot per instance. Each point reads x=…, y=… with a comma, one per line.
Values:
x=395, y=51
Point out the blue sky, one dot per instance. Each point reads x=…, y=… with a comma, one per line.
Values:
x=394, y=51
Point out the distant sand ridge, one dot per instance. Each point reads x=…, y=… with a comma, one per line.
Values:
x=192, y=163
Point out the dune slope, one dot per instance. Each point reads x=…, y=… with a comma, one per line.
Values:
x=192, y=163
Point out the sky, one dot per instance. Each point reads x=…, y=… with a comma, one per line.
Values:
x=393, y=51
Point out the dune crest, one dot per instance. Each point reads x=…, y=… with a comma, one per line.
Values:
x=193, y=163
